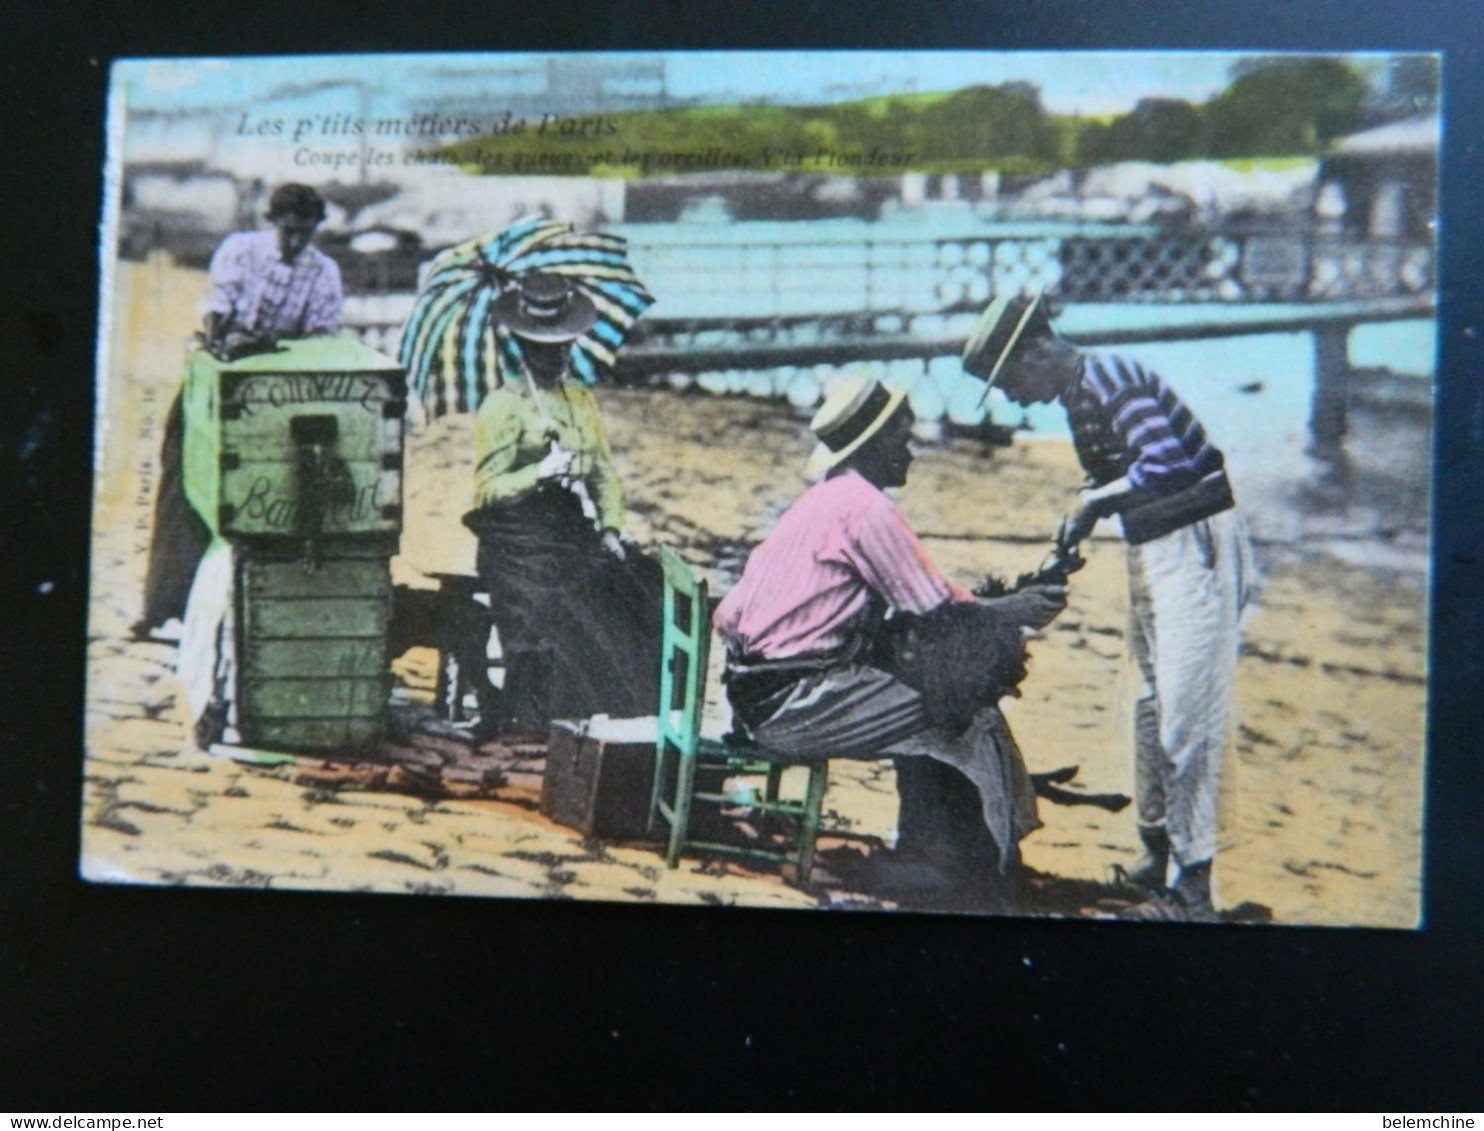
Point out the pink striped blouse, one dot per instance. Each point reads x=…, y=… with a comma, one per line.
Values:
x=808, y=585
x=261, y=294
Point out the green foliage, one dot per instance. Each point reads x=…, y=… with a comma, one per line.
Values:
x=1158, y=129
x=986, y=124
x=1267, y=164
x=971, y=130
x=1275, y=106
x=1285, y=108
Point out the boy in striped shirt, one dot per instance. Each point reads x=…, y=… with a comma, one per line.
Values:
x=1148, y=461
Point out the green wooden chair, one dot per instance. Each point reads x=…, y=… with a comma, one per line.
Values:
x=680, y=749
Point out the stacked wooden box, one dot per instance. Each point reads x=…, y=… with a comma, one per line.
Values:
x=295, y=457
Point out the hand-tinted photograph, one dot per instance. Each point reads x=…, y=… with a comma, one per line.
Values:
x=949, y=482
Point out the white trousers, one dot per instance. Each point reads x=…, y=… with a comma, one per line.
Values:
x=1187, y=591
x=207, y=660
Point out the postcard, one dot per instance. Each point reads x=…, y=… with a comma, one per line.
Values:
x=948, y=482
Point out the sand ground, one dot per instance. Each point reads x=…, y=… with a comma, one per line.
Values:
x=1322, y=798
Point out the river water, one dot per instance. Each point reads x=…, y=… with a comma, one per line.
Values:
x=1368, y=503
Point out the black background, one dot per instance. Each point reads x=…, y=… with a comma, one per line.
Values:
x=125, y=999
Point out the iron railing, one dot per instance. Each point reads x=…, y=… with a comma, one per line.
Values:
x=729, y=303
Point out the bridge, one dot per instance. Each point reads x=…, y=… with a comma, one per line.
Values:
x=669, y=346
x=757, y=297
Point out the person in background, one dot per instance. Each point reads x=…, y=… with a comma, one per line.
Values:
x=273, y=284
x=266, y=286
x=1190, y=569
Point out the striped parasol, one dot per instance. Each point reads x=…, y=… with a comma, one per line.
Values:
x=454, y=353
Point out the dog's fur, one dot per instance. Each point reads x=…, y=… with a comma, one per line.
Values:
x=962, y=658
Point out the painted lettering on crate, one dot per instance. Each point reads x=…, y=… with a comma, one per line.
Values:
x=276, y=390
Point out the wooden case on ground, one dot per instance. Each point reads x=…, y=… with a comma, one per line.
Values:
x=599, y=777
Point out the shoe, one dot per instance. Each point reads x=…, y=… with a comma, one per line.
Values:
x=1148, y=872
x=1192, y=887
x=142, y=632
x=1169, y=907
x=1188, y=900
x=211, y=725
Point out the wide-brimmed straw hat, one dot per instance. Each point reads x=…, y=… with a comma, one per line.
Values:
x=853, y=412
x=545, y=308
x=998, y=332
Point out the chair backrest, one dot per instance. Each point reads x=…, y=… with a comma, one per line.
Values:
x=684, y=651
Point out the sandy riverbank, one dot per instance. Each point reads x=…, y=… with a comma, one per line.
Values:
x=1324, y=800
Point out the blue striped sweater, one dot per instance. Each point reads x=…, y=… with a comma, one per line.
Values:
x=1125, y=421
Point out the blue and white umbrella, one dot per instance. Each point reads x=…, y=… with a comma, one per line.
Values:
x=454, y=353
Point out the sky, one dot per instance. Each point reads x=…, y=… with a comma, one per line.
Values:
x=1070, y=82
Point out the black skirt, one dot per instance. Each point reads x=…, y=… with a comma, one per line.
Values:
x=179, y=538
x=579, y=628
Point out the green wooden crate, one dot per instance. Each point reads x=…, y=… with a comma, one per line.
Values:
x=313, y=671
x=256, y=427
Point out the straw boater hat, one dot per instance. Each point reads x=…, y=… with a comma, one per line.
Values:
x=997, y=334
x=852, y=413
x=545, y=308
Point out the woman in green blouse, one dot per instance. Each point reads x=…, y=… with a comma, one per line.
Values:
x=577, y=610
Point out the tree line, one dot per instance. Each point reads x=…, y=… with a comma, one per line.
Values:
x=1273, y=107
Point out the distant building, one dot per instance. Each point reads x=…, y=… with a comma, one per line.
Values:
x=741, y=194
x=1382, y=183
x=181, y=207
x=560, y=85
